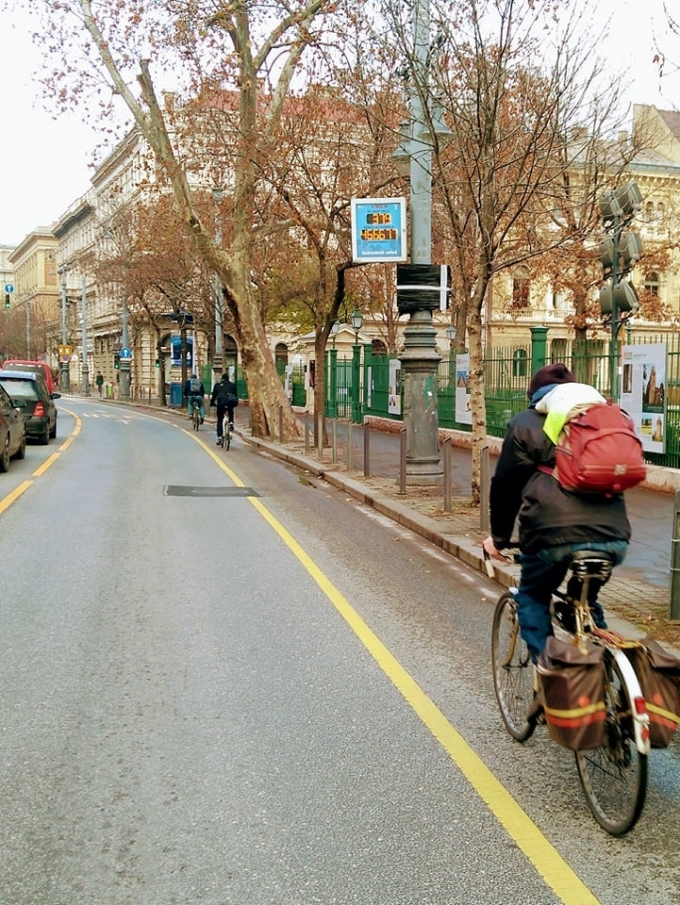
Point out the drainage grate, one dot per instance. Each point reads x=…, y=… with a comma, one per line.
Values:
x=187, y=490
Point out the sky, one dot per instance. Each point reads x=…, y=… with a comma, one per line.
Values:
x=45, y=162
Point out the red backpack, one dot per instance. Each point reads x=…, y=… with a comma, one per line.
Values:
x=598, y=451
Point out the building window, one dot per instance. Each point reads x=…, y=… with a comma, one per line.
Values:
x=520, y=291
x=519, y=363
x=652, y=283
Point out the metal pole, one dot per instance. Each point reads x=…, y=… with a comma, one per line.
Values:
x=28, y=328
x=280, y=424
x=367, y=450
x=674, y=609
x=306, y=433
x=84, y=370
x=125, y=362
x=350, y=445
x=356, y=380
x=63, y=363
x=319, y=434
x=614, y=342
x=335, y=440
x=402, y=460
x=484, y=481
x=447, y=474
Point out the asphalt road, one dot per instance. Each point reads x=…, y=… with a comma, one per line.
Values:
x=224, y=683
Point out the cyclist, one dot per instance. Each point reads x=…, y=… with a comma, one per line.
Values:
x=553, y=523
x=194, y=389
x=224, y=396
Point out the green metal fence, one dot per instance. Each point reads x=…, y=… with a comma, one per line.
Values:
x=507, y=372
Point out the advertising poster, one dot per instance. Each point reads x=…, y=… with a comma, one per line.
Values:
x=176, y=346
x=463, y=412
x=643, y=392
x=394, y=391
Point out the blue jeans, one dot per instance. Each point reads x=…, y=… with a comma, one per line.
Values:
x=201, y=406
x=544, y=572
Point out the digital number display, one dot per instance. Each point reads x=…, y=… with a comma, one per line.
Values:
x=379, y=235
x=379, y=219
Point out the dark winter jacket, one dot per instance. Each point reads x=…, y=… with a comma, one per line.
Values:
x=548, y=515
x=224, y=392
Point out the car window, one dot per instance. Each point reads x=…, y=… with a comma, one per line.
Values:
x=32, y=369
x=19, y=389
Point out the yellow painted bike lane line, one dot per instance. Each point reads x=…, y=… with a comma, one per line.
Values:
x=547, y=861
x=13, y=496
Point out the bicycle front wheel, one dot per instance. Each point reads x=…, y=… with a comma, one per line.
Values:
x=614, y=777
x=513, y=674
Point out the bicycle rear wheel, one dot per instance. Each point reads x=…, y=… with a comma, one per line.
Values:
x=513, y=673
x=614, y=777
x=196, y=419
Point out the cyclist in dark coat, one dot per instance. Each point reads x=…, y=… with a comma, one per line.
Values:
x=553, y=523
x=225, y=397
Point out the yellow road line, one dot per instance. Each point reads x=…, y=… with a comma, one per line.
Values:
x=7, y=501
x=547, y=861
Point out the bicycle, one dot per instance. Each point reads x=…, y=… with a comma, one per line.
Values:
x=227, y=430
x=195, y=413
x=614, y=775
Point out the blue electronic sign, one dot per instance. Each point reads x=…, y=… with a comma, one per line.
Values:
x=378, y=229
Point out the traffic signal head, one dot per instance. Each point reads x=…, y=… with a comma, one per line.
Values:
x=116, y=360
x=623, y=294
x=7, y=300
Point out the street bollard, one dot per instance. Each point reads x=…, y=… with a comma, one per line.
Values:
x=350, y=443
x=447, y=474
x=306, y=433
x=335, y=440
x=402, y=460
x=367, y=450
x=484, y=490
x=319, y=435
x=280, y=424
x=674, y=609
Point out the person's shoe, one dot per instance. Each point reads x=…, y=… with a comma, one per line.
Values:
x=231, y=425
x=218, y=443
x=201, y=420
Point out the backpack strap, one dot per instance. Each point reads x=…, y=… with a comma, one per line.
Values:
x=546, y=469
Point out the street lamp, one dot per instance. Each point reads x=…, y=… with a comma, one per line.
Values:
x=357, y=322
x=63, y=362
x=450, y=335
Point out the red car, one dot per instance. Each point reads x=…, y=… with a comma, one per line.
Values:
x=37, y=367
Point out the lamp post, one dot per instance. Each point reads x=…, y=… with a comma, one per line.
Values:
x=218, y=194
x=420, y=358
x=125, y=360
x=84, y=370
x=333, y=401
x=63, y=362
x=357, y=323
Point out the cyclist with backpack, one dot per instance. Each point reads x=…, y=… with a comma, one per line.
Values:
x=194, y=389
x=225, y=397
x=554, y=522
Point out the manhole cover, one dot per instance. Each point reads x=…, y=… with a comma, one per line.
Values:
x=188, y=490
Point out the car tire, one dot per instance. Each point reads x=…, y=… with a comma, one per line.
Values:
x=53, y=432
x=45, y=438
x=4, y=457
x=21, y=452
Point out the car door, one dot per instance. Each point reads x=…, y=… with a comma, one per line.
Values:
x=14, y=419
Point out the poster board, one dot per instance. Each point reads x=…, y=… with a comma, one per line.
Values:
x=643, y=392
x=463, y=411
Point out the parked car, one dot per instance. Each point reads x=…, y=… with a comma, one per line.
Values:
x=37, y=367
x=30, y=395
x=12, y=431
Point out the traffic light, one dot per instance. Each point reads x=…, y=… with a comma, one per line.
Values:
x=620, y=251
x=8, y=304
x=116, y=360
x=158, y=363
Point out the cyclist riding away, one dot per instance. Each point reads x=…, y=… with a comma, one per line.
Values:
x=224, y=396
x=553, y=523
x=194, y=389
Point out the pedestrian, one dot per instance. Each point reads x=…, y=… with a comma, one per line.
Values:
x=194, y=389
x=99, y=380
x=553, y=522
x=225, y=397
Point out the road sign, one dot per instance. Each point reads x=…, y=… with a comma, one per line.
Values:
x=9, y=287
x=125, y=354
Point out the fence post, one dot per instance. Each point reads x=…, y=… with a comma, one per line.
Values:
x=674, y=609
x=402, y=460
x=350, y=443
x=484, y=482
x=319, y=435
x=447, y=474
x=367, y=449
